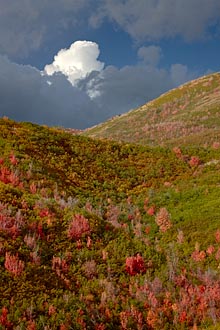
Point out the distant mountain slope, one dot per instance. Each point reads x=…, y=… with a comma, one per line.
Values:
x=186, y=115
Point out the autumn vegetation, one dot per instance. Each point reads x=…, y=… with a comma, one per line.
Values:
x=98, y=234
x=187, y=115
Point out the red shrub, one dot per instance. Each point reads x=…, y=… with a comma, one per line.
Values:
x=163, y=219
x=135, y=265
x=4, y=319
x=78, y=227
x=151, y=210
x=217, y=255
x=194, y=161
x=210, y=250
x=177, y=151
x=13, y=159
x=13, y=264
x=217, y=235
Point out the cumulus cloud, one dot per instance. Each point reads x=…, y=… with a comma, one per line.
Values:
x=156, y=19
x=77, y=61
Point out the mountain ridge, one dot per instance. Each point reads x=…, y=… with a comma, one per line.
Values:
x=184, y=115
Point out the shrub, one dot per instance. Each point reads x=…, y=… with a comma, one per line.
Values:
x=13, y=264
x=163, y=219
x=135, y=265
x=78, y=227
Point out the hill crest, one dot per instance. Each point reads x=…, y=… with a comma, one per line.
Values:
x=185, y=115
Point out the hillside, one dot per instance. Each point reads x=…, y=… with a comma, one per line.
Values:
x=188, y=115
x=104, y=235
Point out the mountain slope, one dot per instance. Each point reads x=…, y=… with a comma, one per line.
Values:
x=101, y=235
x=188, y=115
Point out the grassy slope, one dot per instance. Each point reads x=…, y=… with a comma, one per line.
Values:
x=187, y=115
x=54, y=176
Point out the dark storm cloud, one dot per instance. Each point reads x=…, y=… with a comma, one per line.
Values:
x=117, y=91
x=27, y=95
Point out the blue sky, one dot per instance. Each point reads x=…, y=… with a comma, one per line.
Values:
x=76, y=63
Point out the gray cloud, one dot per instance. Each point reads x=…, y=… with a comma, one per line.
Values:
x=180, y=74
x=156, y=19
x=119, y=90
x=27, y=95
x=26, y=25
x=150, y=55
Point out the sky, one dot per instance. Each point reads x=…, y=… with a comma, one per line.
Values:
x=76, y=63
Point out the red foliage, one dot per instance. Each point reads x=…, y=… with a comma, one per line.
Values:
x=151, y=210
x=216, y=145
x=163, y=219
x=59, y=265
x=194, y=161
x=8, y=176
x=198, y=255
x=51, y=310
x=13, y=159
x=44, y=213
x=177, y=152
x=217, y=235
x=13, y=264
x=10, y=224
x=4, y=319
x=4, y=174
x=135, y=265
x=40, y=231
x=147, y=230
x=100, y=326
x=33, y=188
x=210, y=250
x=217, y=255
x=78, y=227
x=31, y=325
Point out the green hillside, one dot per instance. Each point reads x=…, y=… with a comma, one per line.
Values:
x=188, y=115
x=104, y=235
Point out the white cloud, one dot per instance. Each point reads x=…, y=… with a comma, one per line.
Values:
x=156, y=19
x=77, y=61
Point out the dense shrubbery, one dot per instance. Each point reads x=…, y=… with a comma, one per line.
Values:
x=99, y=235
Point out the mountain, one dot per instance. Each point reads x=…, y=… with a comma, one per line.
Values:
x=187, y=115
x=104, y=235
